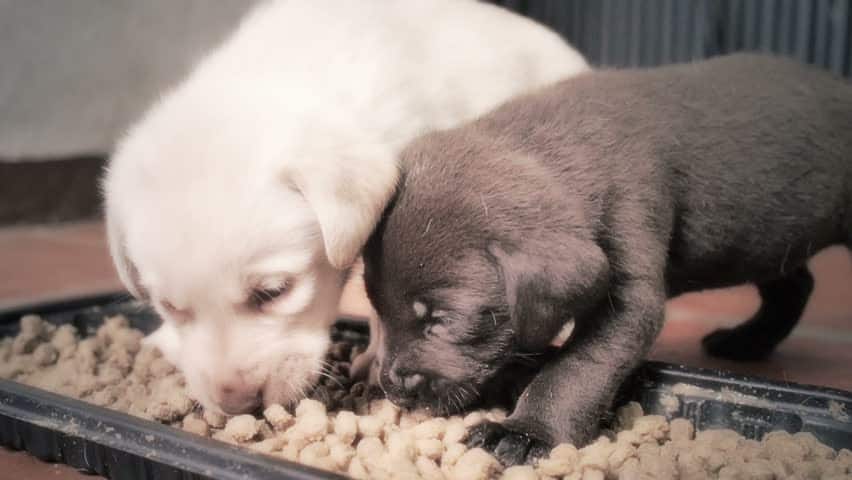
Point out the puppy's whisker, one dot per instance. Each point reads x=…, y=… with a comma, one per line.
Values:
x=326, y=365
x=461, y=397
x=471, y=394
x=330, y=377
x=459, y=400
x=326, y=370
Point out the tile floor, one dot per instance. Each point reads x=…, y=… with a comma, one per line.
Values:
x=43, y=263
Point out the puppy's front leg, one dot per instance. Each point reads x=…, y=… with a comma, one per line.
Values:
x=567, y=398
x=565, y=401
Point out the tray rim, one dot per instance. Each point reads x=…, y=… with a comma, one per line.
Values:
x=204, y=457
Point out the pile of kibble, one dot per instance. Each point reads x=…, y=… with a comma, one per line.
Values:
x=348, y=428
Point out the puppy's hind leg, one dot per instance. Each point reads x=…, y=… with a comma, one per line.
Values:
x=783, y=301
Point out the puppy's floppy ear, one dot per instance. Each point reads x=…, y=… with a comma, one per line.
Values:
x=127, y=272
x=546, y=290
x=348, y=194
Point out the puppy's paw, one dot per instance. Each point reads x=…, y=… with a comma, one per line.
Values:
x=736, y=344
x=512, y=445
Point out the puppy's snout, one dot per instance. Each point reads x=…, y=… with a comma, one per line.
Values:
x=407, y=380
x=236, y=396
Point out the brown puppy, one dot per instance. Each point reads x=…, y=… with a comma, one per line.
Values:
x=597, y=199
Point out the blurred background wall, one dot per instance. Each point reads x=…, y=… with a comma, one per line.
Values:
x=75, y=73
x=653, y=32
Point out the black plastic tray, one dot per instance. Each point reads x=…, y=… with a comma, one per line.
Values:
x=119, y=446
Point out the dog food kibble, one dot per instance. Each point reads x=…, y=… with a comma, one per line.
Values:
x=473, y=418
x=268, y=445
x=681, y=430
x=349, y=429
x=370, y=447
x=242, y=428
x=432, y=428
x=519, y=472
x=193, y=423
x=214, y=418
x=475, y=464
x=346, y=426
x=357, y=470
x=452, y=453
x=370, y=426
x=385, y=410
x=428, y=469
x=341, y=454
x=278, y=417
x=430, y=448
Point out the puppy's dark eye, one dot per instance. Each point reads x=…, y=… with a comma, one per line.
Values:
x=262, y=296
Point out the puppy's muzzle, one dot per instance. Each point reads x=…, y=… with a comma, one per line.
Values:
x=408, y=382
x=235, y=396
x=408, y=387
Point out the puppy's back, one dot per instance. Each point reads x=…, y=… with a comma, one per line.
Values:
x=747, y=150
x=753, y=151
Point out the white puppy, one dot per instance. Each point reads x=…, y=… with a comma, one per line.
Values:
x=238, y=203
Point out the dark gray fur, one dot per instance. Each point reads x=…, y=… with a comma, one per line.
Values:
x=598, y=198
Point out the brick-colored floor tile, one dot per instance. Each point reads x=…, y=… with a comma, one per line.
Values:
x=20, y=466
x=802, y=358
x=830, y=304
x=43, y=263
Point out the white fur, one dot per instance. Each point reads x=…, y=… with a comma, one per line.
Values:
x=272, y=161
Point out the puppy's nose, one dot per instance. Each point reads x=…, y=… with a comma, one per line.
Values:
x=405, y=379
x=235, y=396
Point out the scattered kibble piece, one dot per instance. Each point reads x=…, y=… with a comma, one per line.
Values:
x=341, y=454
x=454, y=431
x=428, y=469
x=346, y=426
x=278, y=417
x=385, y=410
x=195, y=424
x=432, y=428
x=214, y=419
x=681, y=430
x=268, y=445
x=370, y=426
x=520, y=472
x=475, y=464
x=431, y=448
x=242, y=428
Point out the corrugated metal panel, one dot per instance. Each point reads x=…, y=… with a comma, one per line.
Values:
x=653, y=32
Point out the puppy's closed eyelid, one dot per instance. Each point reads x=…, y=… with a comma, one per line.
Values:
x=260, y=296
x=179, y=316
